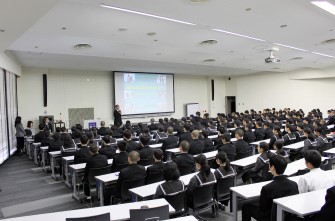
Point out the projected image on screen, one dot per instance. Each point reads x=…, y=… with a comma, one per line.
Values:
x=144, y=93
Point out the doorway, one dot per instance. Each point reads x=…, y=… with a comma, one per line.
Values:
x=230, y=104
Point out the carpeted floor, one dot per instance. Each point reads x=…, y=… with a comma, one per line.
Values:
x=26, y=190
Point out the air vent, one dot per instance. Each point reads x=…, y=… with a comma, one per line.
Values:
x=209, y=60
x=329, y=41
x=296, y=58
x=209, y=42
x=82, y=46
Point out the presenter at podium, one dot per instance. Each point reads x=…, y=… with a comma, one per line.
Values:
x=117, y=116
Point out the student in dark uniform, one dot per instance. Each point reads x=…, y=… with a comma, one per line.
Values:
x=172, y=184
x=249, y=135
x=57, y=144
x=158, y=165
x=278, y=146
x=279, y=187
x=267, y=130
x=83, y=154
x=107, y=149
x=327, y=211
x=196, y=146
x=102, y=130
x=145, y=152
x=224, y=168
x=40, y=135
x=276, y=136
x=170, y=142
x=185, y=134
x=227, y=146
x=259, y=131
x=240, y=145
x=122, y=157
x=152, y=126
x=208, y=143
x=185, y=161
x=131, y=145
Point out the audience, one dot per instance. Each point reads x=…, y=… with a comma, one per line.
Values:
x=240, y=145
x=196, y=146
x=158, y=165
x=227, y=146
x=83, y=154
x=224, y=168
x=185, y=161
x=122, y=157
x=107, y=149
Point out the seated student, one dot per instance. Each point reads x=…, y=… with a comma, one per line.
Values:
x=249, y=135
x=152, y=126
x=259, y=172
x=47, y=140
x=131, y=145
x=316, y=179
x=184, y=161
x=30, y=131
x=240, y=145
x=327, y=211
x=57, y=144
x=107, y=149
x=185, y=134
x=122, y=157
x=267, y=130
x=160, y=133
x=158, y=165
x=299, y=134
x=40, y=135
x=259, y=131
x=102, y=130
x=276, y=136
x=308, y=122
x=227, y=146
x=68, y=142
x=131, y=172
x=278, y=146
x=321, y=137
x=145, y=152
x=170, y=142
x=205, y=176
x=224, y=168
x=207, y=142
x=172, y=184
x=237, y=126
x=310, y=141
x=96, y=161
x=221, y=132
x=279, y=187
x=196, y=146
x=63, y=133
x=289, y=137
x=83, y=154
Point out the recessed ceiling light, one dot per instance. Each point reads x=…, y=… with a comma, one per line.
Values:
x=325, y=6
x=82, y=46
x=283, y=26
x=123, y=29
x=151, y=33
x=236, y=34
x=287, y=46
x=64, y=28
x=248, y=9
x=36, y=46
x=209, y=42
x=145, y=14
x=2, y=30
x=209, y=60
x=155, y=40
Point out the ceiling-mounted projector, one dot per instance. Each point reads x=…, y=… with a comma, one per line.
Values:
x=272, y=58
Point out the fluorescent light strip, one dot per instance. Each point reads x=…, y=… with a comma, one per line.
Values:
x=287, y=46
x=232, y=33
x=323, y=55
x=325, y=6
x=145, y=14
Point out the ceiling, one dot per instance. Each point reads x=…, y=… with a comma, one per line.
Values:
x=45, y=35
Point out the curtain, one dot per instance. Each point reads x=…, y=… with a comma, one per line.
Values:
x=4, y=150
x=11, y=109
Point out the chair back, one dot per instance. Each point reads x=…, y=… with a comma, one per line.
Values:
x=28, y=132
x=68, y=152
x=177, y=200
x=266, y=175
x=119, y=167
x=328, y=164
x=154, y=177
x=129, y=184
x=82, y=160
x=102, y=217
x=326, y=146
x=93, y=172
x=231, y=157
x=155, y=213
x=242, y=155
x=223, y=187
x=185, y=170
x=209, y=149
x=203, y=196
x=145, y=162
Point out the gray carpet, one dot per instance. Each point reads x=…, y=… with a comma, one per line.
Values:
x=26, y=190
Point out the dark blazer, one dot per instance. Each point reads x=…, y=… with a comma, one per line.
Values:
x=196, y=147
x=120, y=158
x=131, y=145
x=208, y=142
x=327, y=211
x=185, y=162
x=64, y=135
x=259, y=134
x=49, y=127
x=96, y=161
x=55, y=146
x=152, y=126
x=241, y=146
x=169, y=143
x=268, y=133
x=102, y=131
x=117, y=118
x=131, y=172
x=108, y=151
x=155, y=168
x=279, y=187
x=146, y=153
x=47, y=141
x=82, y=153
x=39, y=137
x=228, y=148
x=185, y=136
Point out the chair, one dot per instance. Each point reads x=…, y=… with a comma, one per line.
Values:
x=154, y=177
x=223, y=185
x=242, y=155
x=203, y=199
x=145, y=162
x=185, y=170
x=177, y=201
x=93, y=172
x=210, y=149
x=326, y=146
x=156, y=213
x=231, y=157
x=119, y=167
x=129, y=184
x=328, y=164
x=102, y=217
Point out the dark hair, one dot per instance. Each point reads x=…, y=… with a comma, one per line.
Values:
x=313, y=157
x=127, y=134
x=226, y=137
x=18, y=120
x=57, y=129
x=279, y=144
x=44, y=119
x=63, y=129
x=205, y=170
x=267, y=124
x=320, y=130
x=237, y=123
x=222, y=130
x=222, y=156
x=158, y=154
x=205, y=133
x=309, y=133
x=94, y=149
x=29, y=123
x=185, y=146
x=84, y=139
x=239, y=132
x=259, y=123
x=122, y=145
x=47, y=133
x=160, y=128
x=145, y=140
x=277, y=129
x=263, y=145
x=301, y=125
x=106, y=139
x=170, y=171
x=56, y=136
x=79, y=127
x=68, y=143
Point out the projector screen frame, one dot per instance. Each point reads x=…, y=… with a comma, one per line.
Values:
x=146, y=114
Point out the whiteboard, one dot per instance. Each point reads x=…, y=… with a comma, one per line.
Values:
x=191, y=108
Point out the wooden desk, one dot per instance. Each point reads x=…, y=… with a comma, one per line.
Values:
x=117, y=212
x=301, y=204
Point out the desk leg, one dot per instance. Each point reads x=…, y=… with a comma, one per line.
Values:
x=101, y=192
x=74, y=182
x=66, y=172
x=235, y=178
x=280, y=213
x=43, y=160
x=52, y=165
x=235, y=204
x=35, y=155
x=31, y=151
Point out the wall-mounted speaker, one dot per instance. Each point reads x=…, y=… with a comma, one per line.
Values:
x=45, y=90
x=212, y=90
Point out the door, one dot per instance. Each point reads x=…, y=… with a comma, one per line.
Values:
x=230, y=104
